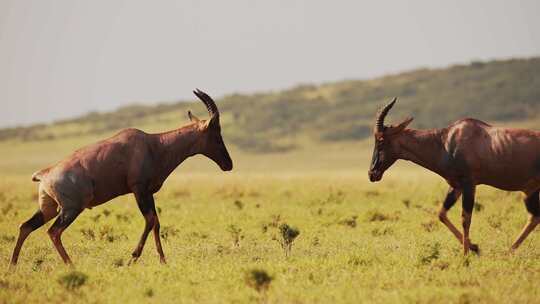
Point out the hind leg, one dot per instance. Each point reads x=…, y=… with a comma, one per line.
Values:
x=48, y=209
x=532, y=203
x=65, y=218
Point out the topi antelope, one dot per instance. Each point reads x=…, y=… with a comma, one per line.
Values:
x=467, y=153
x=129, y=162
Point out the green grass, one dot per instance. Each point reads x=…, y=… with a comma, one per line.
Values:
x=358, y=241
x=295, y=164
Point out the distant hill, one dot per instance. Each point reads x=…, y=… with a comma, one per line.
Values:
x=502, y=91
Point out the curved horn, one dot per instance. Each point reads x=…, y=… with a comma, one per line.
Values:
x=208, y=102
x=379, y=124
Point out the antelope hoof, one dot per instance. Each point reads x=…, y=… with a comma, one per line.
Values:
x=132, y=261
x=512, y=250
x=162, y=261
x=474, y=248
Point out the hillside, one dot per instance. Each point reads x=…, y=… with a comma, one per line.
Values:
x=501, y=91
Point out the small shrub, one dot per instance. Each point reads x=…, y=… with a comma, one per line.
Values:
x=466, y=261
x=376, y=216
x=149, y=292
x=357, y=261
x=236, y=235
x=351, y=222
x=382, y=231
x=37, y=265
x=478, y=207
x=88, y=234
x=406, y=203
x=335, y=197
x=276, y=219
x=494, y=222
x=73, y=280
x=122, y=218
x=168, y=231
x=288, y=235
x=441, y=265
x=238, y=204
x=199, y=235
x=107, y=233
x=429, y=226
x=118, y=262
x=429, y=253
x=258, y=279
x=220, y=249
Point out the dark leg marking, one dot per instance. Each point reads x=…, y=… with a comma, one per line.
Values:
x=451, y=198
x=64, y=219
x=147, y=206
x=468, y=204
x=468, y=197
x=36, y=221
x=532, y=202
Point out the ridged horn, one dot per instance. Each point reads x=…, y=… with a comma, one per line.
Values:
x=379, y=123
x=208, y=102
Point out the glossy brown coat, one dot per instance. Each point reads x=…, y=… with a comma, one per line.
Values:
x=131, y=161
x=467, y=153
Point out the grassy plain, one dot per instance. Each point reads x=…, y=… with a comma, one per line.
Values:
x=358, y=242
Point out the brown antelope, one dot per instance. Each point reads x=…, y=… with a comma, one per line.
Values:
x=467, y=153
x=131, y=161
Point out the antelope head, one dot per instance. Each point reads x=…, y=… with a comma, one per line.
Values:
x=386, y=147
x=211, y=143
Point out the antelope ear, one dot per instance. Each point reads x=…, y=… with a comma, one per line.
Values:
x=401, y=126
x=192, y=117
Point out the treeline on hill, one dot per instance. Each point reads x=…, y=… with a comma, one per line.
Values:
x=278, y=121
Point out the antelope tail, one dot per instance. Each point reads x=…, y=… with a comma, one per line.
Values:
x=37, y=176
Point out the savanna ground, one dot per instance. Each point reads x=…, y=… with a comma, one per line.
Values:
x=358, y=242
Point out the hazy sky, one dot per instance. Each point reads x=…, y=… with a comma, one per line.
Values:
x=63, y=58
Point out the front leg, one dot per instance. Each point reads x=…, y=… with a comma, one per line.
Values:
x=146, y=205
x=466, y=214
x=451, y=197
